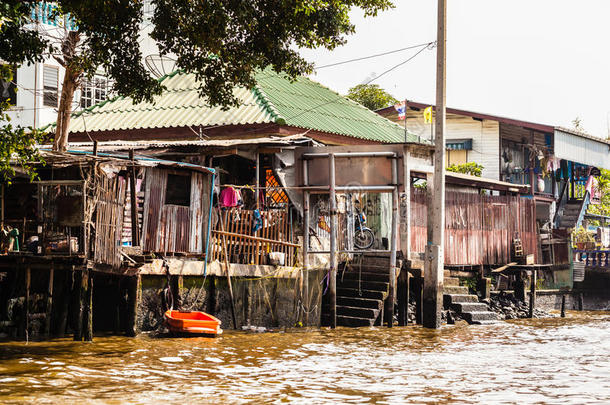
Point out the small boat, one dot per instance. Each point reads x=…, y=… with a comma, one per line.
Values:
x=192, y=322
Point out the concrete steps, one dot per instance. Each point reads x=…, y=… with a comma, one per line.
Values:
x=359, y=302
x=466, y=305
x=362, y=287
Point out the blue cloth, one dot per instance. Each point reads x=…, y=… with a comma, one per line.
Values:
x=258, y=221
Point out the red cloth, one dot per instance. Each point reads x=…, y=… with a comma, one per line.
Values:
x=229, y=197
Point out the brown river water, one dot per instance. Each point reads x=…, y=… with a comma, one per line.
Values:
x=525, y=361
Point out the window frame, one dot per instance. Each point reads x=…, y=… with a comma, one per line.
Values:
x=173, y=202
x=46, y=92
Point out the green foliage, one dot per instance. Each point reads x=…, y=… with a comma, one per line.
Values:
x=604, y=185
x=471, y=168
x=581, y=235
x=17, y=147
x=17, y=45
x=371, y=96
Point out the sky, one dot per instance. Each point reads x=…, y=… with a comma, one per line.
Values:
x=542, y=61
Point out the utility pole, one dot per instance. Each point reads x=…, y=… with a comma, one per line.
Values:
x=434, y=260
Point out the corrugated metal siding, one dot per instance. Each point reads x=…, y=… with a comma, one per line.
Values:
x=479, y=228
x=582, y=150
x=175, y=228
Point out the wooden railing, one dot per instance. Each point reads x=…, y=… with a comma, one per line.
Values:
x=246, y=246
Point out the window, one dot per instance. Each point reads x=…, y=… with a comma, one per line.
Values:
x=8, y=90
x=456, y=157
x=93, y=91
x=178, y=190
x=50, y=83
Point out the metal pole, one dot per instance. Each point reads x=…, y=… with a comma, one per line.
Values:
x=333, y=243
x=306, y=243
x=392, y=297
x=406, y=106
x=433, y=270
x=258, y=179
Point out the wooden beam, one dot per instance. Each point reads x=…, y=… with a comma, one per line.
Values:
x=256, y=238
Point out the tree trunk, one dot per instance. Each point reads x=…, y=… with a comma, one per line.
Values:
x=70, y=84
x=65, y=110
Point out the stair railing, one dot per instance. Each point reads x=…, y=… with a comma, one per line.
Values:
x=583, y=209
x=560, y=204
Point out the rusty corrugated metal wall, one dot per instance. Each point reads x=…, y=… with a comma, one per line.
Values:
x=479, y=228
x=173, y=228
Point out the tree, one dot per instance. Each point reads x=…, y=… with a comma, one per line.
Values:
x=222, y=42
x=472, y=168
x=17, y=45
x=371, y=96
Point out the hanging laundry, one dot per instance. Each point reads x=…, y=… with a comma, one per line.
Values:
x=230, y=197
x=258, y=221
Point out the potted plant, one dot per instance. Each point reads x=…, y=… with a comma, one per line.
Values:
x=583, y=239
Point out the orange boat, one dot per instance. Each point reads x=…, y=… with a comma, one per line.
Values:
x=192, y=322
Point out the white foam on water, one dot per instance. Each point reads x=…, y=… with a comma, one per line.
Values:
x=171, y=359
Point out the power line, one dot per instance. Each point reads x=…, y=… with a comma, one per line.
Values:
x=375, y=56
x=401, y=63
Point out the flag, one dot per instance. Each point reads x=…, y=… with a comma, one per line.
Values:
x=401, y=108
x=428, y=115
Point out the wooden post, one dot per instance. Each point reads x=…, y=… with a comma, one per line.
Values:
x=228, y=269
x=434, y=260
x=533, y=294
x=563, y=306
x=134, y=295
x=333, y=243
x=49, y=308
x=65, y=303
x=26, y=304
x=135, y=228
x=405, y=207
x=88, y=313
x=403, y=298
x=580, y=301
x=393, y=244
x=306, y=226
x=94, y=148
x=80, y=279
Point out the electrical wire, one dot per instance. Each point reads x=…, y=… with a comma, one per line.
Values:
x=375, y=56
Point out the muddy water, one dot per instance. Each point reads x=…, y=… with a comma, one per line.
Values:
x=527, y=361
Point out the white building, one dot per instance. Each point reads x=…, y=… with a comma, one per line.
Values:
x=36, y=88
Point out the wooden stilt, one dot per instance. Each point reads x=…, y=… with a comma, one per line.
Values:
x=80, y=278
x=117, y=308
x=26, y=304
x=133, y=302
x=533, y=294
x=49, y=312
x=65, y=304
x=88, y=313
x=563, y=306
x=402, y=302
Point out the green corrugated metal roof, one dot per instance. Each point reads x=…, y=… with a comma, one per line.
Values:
x=275, y=100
